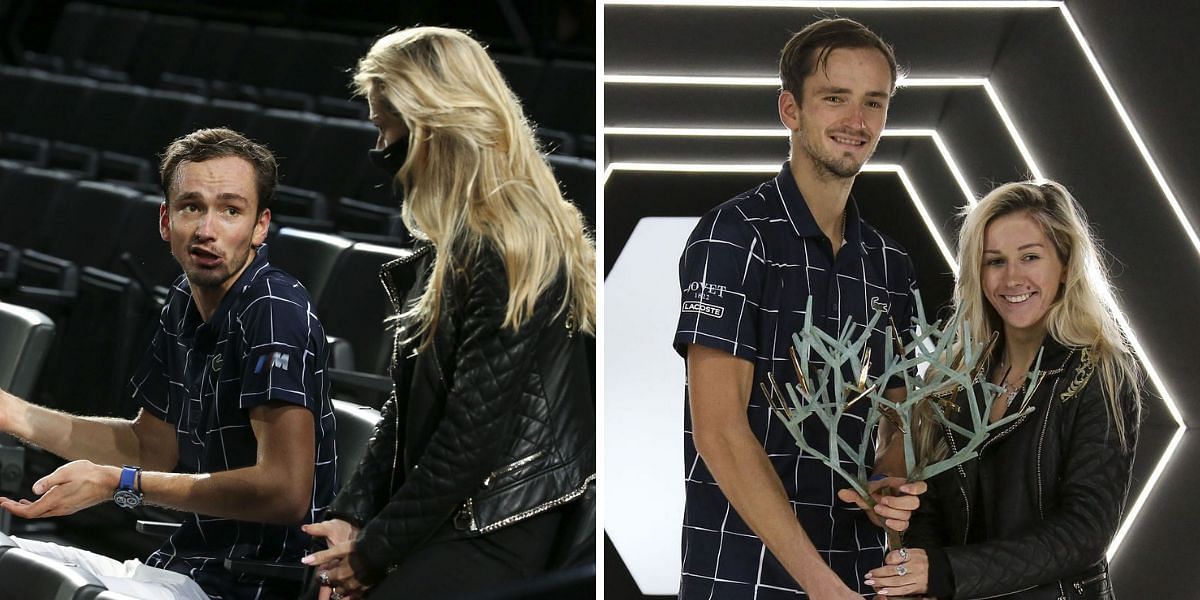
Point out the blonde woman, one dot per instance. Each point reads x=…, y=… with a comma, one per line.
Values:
x=1032, y=515
x=489, y=436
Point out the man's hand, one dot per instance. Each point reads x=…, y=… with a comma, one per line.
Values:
x=895, y=500
x=70, y=488
x=889, y=582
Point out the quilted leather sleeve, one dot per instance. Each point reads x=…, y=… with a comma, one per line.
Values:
x=1076, y=529
x=489, y=372
x=369, y=488
x=924, y=528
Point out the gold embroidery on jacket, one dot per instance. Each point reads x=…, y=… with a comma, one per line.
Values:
x=1083, y=373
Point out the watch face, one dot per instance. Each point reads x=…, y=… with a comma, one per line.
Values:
x=127, y=498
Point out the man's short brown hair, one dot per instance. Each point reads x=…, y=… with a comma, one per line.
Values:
x=207, y=144
x=810, y=48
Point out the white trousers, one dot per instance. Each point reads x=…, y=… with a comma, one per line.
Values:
x=131, y=577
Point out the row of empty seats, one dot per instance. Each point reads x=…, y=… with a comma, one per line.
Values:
x=296, y=69
x=328, y=183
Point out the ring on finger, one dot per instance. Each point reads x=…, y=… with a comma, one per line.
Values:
x=901, y=570
x=323, y=577
x=903, y=554
x=335, y=595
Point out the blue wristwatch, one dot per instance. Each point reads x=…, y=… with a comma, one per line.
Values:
x=129, y=490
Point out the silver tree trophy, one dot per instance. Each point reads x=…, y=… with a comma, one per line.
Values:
x=949, y=370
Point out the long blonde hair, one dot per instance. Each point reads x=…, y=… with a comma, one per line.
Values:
x=475, y=174
x=1079, y=317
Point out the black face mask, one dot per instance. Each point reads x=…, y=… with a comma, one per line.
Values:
x=390, y=159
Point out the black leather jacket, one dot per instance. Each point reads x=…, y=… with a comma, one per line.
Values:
x=487, y=426
x=1032, y=515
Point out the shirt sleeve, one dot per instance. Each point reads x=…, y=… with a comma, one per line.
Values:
x=149, y=386
x=720, y=279
x=277, y=328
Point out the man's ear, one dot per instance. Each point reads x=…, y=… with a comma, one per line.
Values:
x=164, y=222
x=261, y=227
x=789, y=110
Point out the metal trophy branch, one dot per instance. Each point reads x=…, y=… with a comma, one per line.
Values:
x=953, y=366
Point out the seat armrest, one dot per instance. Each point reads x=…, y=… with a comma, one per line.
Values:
x=162, y=529
x=266, y=569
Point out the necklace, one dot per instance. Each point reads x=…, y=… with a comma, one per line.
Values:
x=1010, y=389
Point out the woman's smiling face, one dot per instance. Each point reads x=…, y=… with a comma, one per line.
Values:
x=1021, y=273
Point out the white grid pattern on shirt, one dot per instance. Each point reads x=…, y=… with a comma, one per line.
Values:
x=759, y=231
x=270, y=313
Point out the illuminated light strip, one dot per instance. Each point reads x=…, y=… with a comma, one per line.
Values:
x=693, y=80
x=916, y=82
x=1034, y=171
x=1138, y=504
x=871, y=4
x=773, y=168
x=1133, y=133
x=1141, y=501
x=696, y=132
x=773, y=81
x=951, y=164
x=929, y=224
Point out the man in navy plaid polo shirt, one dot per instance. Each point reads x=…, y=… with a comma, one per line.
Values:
x=236, y=424
x=762, y=520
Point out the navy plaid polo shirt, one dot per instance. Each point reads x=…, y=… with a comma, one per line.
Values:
x=746, y=274
x=263, y=344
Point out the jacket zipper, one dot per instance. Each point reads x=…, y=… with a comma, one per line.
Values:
x=1078, y=585
x=517, y=464
x=396, y=305
x=962, y=473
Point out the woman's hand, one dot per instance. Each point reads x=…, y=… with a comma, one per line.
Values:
x=334, y=531
x=900, y=577
x=335, y=572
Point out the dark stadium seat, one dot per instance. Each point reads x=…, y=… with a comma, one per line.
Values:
x=25, y=338
x=18, y=84
x=353, y=109
x=214, y=52
x=268, y=57
x=43, y=578
x=219, y=112
x=364, y=217
x=49, y=104
x=162, y=118
x=323, y=63
x=144, y=256
x=309, y=256
x=85, y=220
x=287, y=133
x=338, y=159
x=102, y=336
x=109, y=104
x=30, y=198
x=300, y=203
x=554, y=141
x=353, y=308
x=115, y=38
x=563, y=79
x=524, y=75
x=162, y=46
x=577, y=178
x=73, y=32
